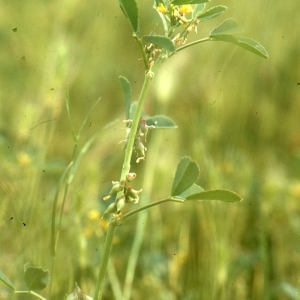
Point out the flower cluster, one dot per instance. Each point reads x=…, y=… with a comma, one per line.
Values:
x=176, y=16
x=129, y=195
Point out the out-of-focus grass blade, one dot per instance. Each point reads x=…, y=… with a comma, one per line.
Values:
x=5, y=280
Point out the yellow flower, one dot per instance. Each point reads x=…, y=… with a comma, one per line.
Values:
x=161, y=8
x=94, y=214
x=186, y=9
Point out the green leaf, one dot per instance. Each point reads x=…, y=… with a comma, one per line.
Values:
x=132, y=110
x=160, y=122
x=186, y=174
x=212, y=13
x=193, y=189
x=160, y=41
x=35, y=278
x=221, y=195
x=181, y=2
x=5, y=280
x=198, y=9
x=130, y=10
x=127, y=94
x=244, y=42
x=229, y=26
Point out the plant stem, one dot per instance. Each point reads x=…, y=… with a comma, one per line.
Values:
x=134, y=125
x=207, y=39
x=146, y=63
x=31, y=293
x=131, y=213
x=104, y=261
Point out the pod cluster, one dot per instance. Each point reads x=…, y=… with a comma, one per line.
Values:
x=128, y=195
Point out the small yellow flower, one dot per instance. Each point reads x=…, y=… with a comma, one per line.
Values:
x=24, y=159
x=161, y=8
x=186, y=9
x=94, y=214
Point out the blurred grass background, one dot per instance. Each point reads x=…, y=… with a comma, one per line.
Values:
x=238, y=116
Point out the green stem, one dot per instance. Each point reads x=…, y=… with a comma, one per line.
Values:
x=146, y=63
x=207, y=39
x=134, y=125
x=104, y=261
x=31, y=293
x=131, y=213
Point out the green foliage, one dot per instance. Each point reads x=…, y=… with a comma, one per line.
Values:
x=181, y=2
x=244, y=42
x=5, y=280
x=160, y=122
x=186, y=174
x=224, y=33
x=160, y=41
x=211, y=13
x=221, y=195
x=91, y=187
x=35, y=278
x=229, y=26
x=130, y=10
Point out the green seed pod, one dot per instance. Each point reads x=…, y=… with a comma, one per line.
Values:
x=120, y=203
x=112, y=208
x=117, y=187
x=140, y=148
x=133, y=194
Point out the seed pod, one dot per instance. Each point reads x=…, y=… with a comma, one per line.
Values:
x=133, y=194
x=120, y=203
x=117, y=187
x=140, y=148
x=144, y=128
x=112, y=208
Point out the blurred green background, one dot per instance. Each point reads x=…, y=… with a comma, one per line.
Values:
x=238, y=115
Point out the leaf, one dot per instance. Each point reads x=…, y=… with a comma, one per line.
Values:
x=221, y=195
x=133, y=107
x=130, y=10
x=229, y=26
x=160, y=41
x=244, y=42
x=212, y=13
x=36, y=278
x=127, y=94
x=160, y=122
x=186, y=174
x=198, y=9
x=193, y=189
x=181, y=2
x=5, y=280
